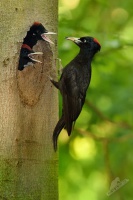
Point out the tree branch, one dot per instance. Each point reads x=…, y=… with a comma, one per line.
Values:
x=105, y=118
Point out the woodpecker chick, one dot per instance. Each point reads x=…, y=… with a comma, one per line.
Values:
x=36, y=32
x=74, y=82
x=26, y=57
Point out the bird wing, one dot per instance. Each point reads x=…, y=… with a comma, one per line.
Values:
x=73, y=99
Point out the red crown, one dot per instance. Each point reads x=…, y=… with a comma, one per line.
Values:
x=36, y=23
x=95, y=40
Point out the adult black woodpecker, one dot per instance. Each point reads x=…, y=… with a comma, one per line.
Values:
x=36, y=32
x=74, y=82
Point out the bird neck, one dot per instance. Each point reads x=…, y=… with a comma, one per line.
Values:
x=30, y=39
x=25, y=46
x=86, y=55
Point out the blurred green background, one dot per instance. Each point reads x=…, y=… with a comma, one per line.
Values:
x=101, y=145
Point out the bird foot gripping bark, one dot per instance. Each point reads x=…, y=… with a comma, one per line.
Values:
x=51, y=79
x=60, y=66
x=55, y=83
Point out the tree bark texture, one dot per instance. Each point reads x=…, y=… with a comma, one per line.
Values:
x=28, y=105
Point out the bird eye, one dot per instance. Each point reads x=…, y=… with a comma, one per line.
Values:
x=34, y=34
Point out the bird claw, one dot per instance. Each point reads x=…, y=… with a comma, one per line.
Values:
x=60, y=66
x=59, y=59
x=50, y=77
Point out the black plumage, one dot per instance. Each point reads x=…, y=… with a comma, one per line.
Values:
x=36, y=32
x=26, y=57
x=73, y=84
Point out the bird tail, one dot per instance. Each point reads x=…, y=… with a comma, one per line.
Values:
x=60, y=125
x=68, y=127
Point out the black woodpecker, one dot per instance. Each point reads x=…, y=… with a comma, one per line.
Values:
x=74, y=82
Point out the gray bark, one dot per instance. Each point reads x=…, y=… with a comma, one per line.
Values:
x=28, y=105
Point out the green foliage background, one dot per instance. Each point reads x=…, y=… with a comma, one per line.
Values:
x=101, y=145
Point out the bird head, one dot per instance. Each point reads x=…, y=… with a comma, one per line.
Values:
x=87, y=42
x=27, y=57
x=40, y=32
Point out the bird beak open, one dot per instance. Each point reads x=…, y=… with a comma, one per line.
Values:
x=44, y=37
x=74, y=39
x=30, y=55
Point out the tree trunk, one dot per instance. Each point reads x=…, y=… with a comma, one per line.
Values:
x=28, y=105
